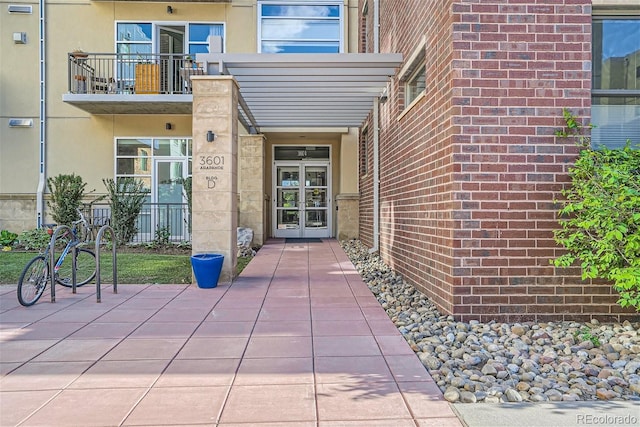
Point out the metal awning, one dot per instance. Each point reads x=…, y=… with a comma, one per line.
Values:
x=306, y=90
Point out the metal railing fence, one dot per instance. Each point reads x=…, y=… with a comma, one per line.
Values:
x=156, y=222
x=131, y=73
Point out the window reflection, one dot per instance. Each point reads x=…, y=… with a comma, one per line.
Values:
x=300, y=28
x=616, y=54
x=616, y=82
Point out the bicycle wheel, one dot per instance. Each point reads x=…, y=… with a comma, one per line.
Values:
x=33, y=280
x=85, y=268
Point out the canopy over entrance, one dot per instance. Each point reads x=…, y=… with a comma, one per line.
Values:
x=305, y=90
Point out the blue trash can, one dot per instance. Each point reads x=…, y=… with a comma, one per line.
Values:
x=207, y=268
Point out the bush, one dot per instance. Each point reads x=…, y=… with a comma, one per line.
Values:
x=600, y=224
x=126, y=196
x=7, y=239
x=67, y=192
x=36, y=239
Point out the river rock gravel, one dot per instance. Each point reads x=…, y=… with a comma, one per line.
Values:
x=507, y=362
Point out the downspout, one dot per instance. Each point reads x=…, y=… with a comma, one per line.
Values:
x=42, y=117
x=376, y=177
x=376, y=136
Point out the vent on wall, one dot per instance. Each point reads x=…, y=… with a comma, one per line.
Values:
x=19, y=8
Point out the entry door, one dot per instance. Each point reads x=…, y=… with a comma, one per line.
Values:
x=171, y=46
x=302, y=205
x=168, y=211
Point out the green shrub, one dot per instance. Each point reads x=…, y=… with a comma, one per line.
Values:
x=162, y=237
x=126, y=197
x=584, y=334
x=67, y=192
x=600, y=216
x=36, y=239
x=7, y=238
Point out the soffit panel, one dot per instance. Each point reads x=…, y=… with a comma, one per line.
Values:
x=294, y=90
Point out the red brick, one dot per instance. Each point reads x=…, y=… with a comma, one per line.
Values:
x=490, y=165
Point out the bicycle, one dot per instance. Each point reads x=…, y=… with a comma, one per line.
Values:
x=34, y=277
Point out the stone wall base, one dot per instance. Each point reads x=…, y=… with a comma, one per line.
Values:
x=348, y=216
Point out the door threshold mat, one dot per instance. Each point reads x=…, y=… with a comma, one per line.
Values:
x=303, y=240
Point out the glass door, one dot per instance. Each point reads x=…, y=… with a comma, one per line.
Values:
x=287, y=201
x=171, y=47
x=169, y=216
x=302, y=202
x=316, y=201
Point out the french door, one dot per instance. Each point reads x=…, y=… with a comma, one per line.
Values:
x=302, y=199
x=168, y=215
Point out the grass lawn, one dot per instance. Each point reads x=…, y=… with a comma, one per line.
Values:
x=137, y=268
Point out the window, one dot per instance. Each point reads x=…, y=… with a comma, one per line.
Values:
x=139, y=38
x=200, y=36
x=413, y=74
x=153, y=43
x=134, y=38
x=615, y=81
x=415, y=85
x=297, y=27
x=134, y=155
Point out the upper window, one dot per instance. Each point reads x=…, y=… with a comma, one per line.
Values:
x=200, y=37
x=413, y=74
x=300, y=27
x=415, y=84
x=615, y=102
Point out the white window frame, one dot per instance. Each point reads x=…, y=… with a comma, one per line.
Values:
x=340, y=4
x=154, y=32
x=628, y=114
x=413, y=67
x=149, y=157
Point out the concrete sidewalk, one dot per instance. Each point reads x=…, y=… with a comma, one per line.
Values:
x=297, y=340
x=551, y=414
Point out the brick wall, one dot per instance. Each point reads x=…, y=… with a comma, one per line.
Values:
x=469, y=175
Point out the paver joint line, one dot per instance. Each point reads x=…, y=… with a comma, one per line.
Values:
x=278, y=349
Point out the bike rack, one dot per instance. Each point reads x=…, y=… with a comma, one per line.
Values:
x=52, y=261
x=113, y=256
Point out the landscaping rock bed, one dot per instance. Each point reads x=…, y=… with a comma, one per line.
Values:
x=501, y=362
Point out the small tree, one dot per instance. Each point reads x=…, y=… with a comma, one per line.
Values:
x=126, y=196
x=600, y=227
x=67, y=192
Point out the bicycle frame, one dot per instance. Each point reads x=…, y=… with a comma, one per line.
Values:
x=71, y=244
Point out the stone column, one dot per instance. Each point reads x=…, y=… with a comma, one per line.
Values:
x=348, y=200
x=252, y=212
x=215, y=177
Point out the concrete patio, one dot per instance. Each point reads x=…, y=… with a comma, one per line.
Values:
x=297, y=340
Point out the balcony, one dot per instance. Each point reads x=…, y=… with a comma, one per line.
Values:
x=121, y=83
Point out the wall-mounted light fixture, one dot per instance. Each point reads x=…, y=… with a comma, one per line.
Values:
x=20, y=38
x=20, y=8
x=169, y=10
x=168, y=126
x=210, y=136
x=384, y=96
x=20, y=123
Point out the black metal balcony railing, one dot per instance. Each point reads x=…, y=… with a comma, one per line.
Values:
x=124, y=73
x=155, y=222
